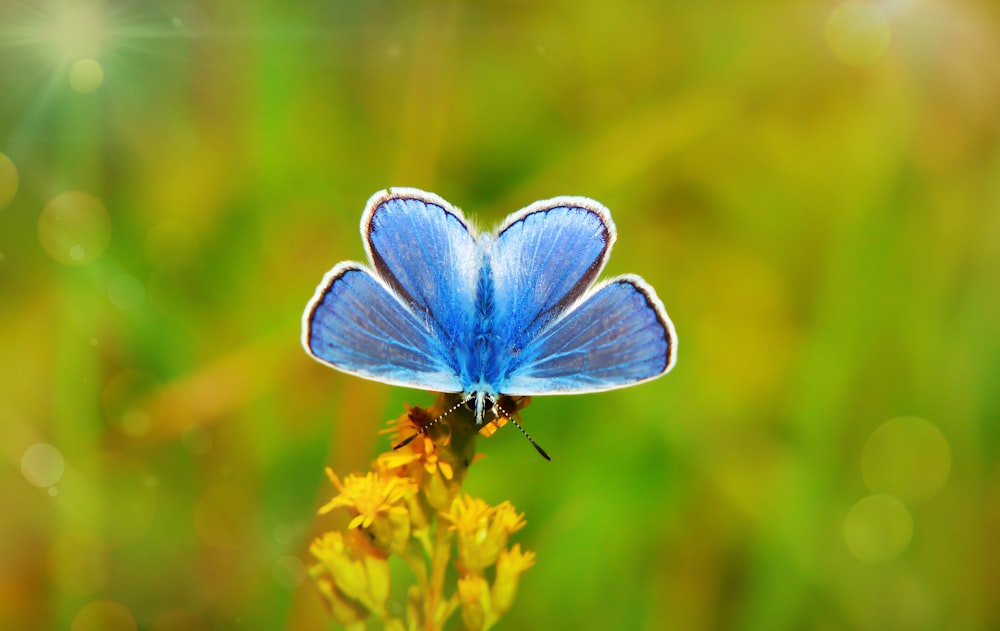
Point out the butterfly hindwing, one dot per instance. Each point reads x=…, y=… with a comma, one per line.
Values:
x=618, y=335
x=357, y=326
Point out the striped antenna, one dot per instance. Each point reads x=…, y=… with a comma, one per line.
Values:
x=510, y=417
x=422, y=430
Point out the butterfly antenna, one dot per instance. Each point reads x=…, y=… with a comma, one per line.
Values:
x=406, y=441
x=531, y=440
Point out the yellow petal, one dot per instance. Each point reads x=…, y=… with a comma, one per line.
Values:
x=396, y=459
x=437, y=493
x=333, y=478
x=446, y=470
x=357, y=521
x=508, y=518
x=326, y=508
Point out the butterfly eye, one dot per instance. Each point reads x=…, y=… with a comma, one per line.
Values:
x=508, y=404
x=420, y=418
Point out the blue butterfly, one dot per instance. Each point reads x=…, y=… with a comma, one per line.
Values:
x=446, y=308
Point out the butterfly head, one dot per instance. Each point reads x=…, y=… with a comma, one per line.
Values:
x=477, y=403
x=502, y=407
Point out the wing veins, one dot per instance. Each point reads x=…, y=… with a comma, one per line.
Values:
x=560, y=353
x=389, y=326
x=585, y=329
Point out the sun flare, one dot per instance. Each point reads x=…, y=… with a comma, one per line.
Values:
x=76, y=31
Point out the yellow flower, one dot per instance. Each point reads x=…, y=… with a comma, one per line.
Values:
x=369, y=496
x=351, y=573
x=508, y=518
x=410, y=505
x=422, y=450
x=407, y=425
x=477, y=612
x=434, y=462
x=482, y=530
x=469, y=514
x=510, y=565
x=344, y=610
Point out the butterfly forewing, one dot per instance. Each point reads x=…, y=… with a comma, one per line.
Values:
x=546, y=257
x=422, y=247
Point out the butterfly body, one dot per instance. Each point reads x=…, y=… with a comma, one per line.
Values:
x=517, y=312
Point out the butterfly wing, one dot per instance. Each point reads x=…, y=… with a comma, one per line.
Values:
x=403, y=323
x=355, y=324
x=545, y=257
x=423, y=248
x=617, y=335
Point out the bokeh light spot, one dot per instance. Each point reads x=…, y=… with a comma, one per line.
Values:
x=104, y=615
x=76, y=566
x=284, y=534
x=42, y=465
x=878, y=528
x=74, y=228
x=8, y=180
x=289, y=572
x=136, y=422
x=86, y=75
x=125, y=396
x=108, y=499
x=907, y=457
x=126, y=292
x=858, y=32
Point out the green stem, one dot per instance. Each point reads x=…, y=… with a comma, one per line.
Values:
x=450, y=606
x=425, y=541
x=417, y=566
x=439, y=566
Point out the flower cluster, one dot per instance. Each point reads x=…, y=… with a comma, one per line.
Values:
x=410, y=507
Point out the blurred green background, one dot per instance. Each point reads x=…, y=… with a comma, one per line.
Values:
x=812, y=187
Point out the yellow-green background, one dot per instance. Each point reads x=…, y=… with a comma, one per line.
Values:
x=813, y=189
